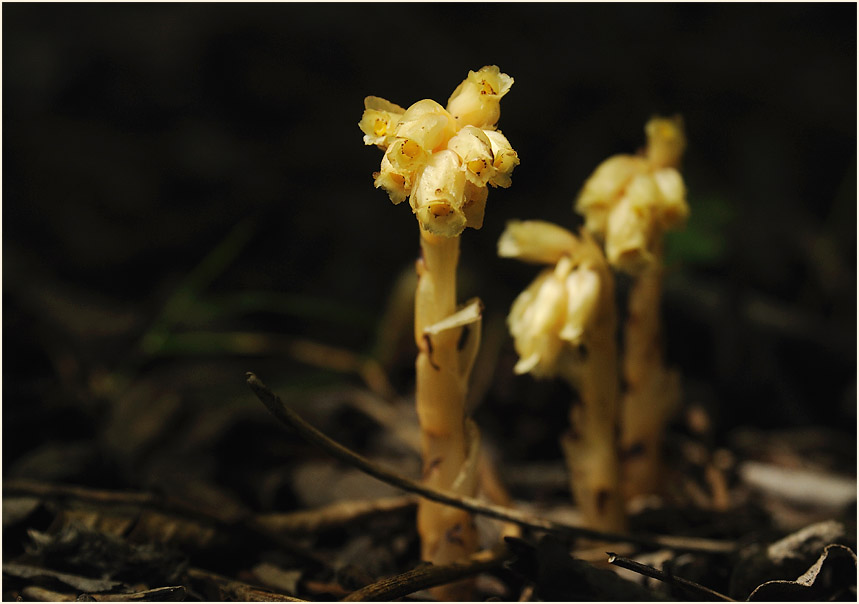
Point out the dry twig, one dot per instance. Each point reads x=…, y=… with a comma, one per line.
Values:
x=428, y=576
x=285, y=415
x=334, y=515
x=237, y=590
x=694, y=589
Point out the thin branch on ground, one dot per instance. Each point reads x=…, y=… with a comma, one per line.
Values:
x=286, y=416
x=694, y=589
x=230, y=589
x=159, y=594
x=428, y=576
x=335, y=515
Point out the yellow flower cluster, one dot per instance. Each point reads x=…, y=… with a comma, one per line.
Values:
x=442, y=159
x=552, y=315
x=631, y=200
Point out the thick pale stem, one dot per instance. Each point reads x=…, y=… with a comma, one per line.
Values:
x=652, y=391
x=447, y=534
x=590, y=446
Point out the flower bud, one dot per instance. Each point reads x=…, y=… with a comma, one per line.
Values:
x=666, y=141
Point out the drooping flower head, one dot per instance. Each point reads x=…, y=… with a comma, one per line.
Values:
x=443, y=159
x=630, y=201
x=555, y=314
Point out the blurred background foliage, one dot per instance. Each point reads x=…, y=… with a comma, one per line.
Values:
x=186, y=196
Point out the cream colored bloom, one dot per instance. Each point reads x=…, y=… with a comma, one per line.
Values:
x=476, y=101
x=428, y=124
x=406, y=156
x=443, y=163
x=439, y=195
x=379, y=121
x=473, y=147
x=553, y=314
x=394, y=181
x=630, y=201
x=605, y=187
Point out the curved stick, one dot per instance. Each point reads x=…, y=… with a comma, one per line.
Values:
x=287, y=416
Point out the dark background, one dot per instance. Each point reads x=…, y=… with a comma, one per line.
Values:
x=141, y=139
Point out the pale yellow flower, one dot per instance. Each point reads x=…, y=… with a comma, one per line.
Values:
x=476, y=101
x=553, y=314
x=439, y=195
x=474, y=148
x=406, y=156
x=604, y=188
x=428, y=124
x=379, y=121
x=631, y=200
x=443, y=163
x=397, y=183
x=628, y=236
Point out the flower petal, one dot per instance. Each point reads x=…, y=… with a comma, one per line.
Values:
x=535, y=320
x=428, y=124
x=505, y=158
x=536, y=241
x=673, y=210
x=583, y=289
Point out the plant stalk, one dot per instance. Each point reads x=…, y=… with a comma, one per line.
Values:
x=652, y=391
x=447, y=534
x=590, y=445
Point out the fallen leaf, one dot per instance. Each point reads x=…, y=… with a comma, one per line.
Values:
x=84, y=584
x=832, y=577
